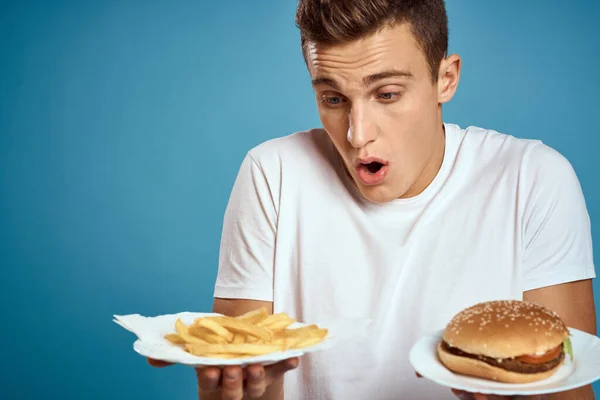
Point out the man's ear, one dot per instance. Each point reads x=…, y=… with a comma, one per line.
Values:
x=448, y=77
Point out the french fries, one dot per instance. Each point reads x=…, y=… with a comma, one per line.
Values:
x=252, y=334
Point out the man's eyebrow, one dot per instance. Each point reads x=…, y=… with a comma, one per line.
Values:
x=390, y=73
x=367, y=80
x=325, y=81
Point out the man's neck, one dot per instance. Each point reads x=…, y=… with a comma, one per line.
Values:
x=431, y=169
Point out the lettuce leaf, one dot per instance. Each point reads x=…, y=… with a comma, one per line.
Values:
x=568, y=348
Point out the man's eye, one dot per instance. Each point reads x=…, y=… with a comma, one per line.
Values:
x=388, y=96
x=333, y=100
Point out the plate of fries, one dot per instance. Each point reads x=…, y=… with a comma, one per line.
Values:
x=198, y=339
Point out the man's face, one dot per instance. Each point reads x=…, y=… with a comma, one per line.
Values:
x=380, y=107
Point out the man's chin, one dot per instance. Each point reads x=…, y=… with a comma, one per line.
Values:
x=381, y=193
x=377, y=194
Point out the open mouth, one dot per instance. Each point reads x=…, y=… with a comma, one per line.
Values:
x=372, y=171
x=373, y=167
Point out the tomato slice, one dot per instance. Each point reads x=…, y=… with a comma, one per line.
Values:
x=548, y=356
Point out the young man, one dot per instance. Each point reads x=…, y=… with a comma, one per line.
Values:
x=390, y=214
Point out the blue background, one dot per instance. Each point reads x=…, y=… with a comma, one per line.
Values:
x=123, y=124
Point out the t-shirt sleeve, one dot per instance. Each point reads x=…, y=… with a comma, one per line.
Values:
x=246, y=255
x=556, y=225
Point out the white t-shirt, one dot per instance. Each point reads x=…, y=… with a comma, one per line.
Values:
x=503, y=215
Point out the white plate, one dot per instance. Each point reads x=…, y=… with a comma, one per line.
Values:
x=583, y=370
x=152, y=344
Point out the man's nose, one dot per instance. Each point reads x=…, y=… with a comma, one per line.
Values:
x=361, y=129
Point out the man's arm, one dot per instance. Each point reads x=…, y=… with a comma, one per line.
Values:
x=557, y=243
x=234, y=308
x=574, y=302
x=245, y=271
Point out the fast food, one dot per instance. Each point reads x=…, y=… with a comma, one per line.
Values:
x=254, y=333
x=507, y=341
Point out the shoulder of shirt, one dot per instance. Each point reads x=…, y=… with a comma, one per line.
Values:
x=501, y=148
x=297, y=148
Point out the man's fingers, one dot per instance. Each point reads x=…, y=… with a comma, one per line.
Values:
x=275, y=371
x=499, y=397
x=158, y=363
x=232, y=384
x=462, y=395
x=208, y=379
x=255, y=383
x=231, y=379
x=533, y=397
x=291, y=363
x=481, y=396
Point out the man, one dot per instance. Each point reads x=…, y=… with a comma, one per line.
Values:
x=390, y=214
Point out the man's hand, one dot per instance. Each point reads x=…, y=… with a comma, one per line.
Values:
x=462, y=395
x=479, y=396
x=236, y=383
x=233, y=382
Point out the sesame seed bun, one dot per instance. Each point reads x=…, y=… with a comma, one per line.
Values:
x=504, y=329
x=507, y=341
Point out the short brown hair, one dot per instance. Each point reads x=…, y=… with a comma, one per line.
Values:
x=338, y=21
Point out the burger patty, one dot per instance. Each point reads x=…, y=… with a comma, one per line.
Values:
x=509, y=364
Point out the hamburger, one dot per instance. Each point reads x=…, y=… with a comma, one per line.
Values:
x=507, y=341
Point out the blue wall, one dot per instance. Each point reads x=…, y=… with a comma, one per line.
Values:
x=123, y=124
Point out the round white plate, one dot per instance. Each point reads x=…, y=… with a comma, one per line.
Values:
x=152, y=344
x=583, y=370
